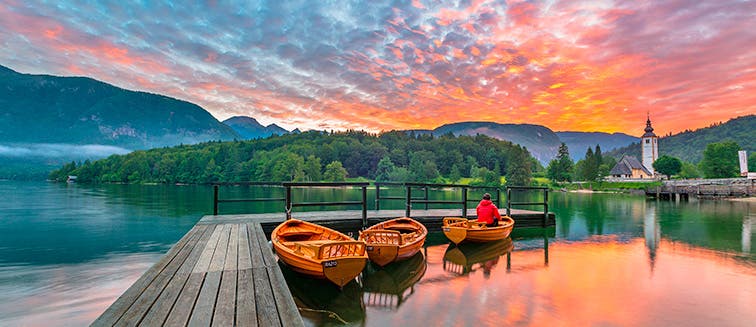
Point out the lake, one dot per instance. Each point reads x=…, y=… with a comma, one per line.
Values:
x=68, y=251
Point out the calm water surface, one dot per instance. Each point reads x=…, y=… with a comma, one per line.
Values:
x=68, y=251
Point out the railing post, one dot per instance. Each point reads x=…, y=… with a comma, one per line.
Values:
x=364, y=206
x=377, y=196
x=464, y=202
x=426, y=197
x=215, y=200
x=498, y=197
x=509, y=202
x=409, y=200
x=287, y=202
x=545, y=207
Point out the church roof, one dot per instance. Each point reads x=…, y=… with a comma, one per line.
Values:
x=626, y=165
x=649, y=130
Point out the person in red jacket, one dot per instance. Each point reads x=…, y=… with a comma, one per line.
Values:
x=488, y=212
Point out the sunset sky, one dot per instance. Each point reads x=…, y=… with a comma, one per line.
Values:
x=580, y=65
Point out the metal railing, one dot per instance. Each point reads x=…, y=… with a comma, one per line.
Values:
x=217, y=200
x=424, y=199
x=545, y=202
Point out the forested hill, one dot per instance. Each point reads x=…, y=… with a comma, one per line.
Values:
x=690, y=145
x=79, y=110
x=314, y=156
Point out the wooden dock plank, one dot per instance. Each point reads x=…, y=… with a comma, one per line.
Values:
x=245, y=257
x=254, y=248
x=163, y=305
x=225, y=305
x=264, y=300
x=182, y=310
x=203, y=264
x=245, y=299
x=287, y=309
x=119, y=307
x=265, y=248
x=205, y=306
x=144, y=302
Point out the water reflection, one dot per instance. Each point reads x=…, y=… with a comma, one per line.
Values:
x=322, y=303
x=462, y=258
x=390, y=286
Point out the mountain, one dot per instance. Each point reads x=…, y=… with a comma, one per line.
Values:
x=690, y=145
x=248, y=128
x=79, y=110
x=540, y=141
x=578, y=142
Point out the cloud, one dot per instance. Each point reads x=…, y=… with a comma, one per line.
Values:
x=380, y=66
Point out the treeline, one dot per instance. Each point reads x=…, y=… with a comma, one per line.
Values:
x=720, y=160
x=317, y=156
x=594, y=167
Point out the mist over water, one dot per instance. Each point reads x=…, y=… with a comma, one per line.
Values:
x=53, y=150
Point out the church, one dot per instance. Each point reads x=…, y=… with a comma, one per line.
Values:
x=630, y=168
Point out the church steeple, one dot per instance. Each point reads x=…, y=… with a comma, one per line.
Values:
x=649, y=130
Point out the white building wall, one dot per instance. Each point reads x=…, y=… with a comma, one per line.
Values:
x=649, y=153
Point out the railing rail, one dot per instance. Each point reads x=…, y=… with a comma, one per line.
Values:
x=545, y=202
x=409, y=199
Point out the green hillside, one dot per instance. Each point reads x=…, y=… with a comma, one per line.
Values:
x=690, y=145
x=78, y=110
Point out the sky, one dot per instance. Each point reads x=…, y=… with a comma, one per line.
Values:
x=579, y=65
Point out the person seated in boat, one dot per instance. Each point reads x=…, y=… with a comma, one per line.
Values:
x=488, y=212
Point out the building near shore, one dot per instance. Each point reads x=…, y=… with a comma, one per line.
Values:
x=630, y=168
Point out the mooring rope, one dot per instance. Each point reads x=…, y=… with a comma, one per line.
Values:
x=331, y=314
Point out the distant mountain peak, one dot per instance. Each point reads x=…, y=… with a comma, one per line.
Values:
x=250, y=128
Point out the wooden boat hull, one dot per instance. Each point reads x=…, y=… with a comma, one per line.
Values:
x=319, y=251
x=394, y=240
x=460, y=230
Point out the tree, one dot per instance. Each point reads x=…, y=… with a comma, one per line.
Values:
x=312, y=167
x=560, y=169
x=518, y=171
x=689, y=170
x=454, y=174
x=334, y=172
x=668, y=165
x=720, y=160
x=385, y=166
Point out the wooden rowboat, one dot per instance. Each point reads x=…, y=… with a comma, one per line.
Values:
x=394, y=240
x=460, y=230
x=319, y=251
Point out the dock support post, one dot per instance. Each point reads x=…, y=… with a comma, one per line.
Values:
x=408, y=204
x=377, y=196
x=364, y=207
x=215, y=200
x=464, y=202
x=288, y=202
x=426, y=197
x=498, y=197
x=509, y=202
x=545, y=207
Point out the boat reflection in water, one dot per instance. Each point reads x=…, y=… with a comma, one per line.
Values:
x=390, y=286
x=324, y=303
x=462, y=258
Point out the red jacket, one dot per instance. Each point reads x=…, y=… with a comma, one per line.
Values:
x=487, y=211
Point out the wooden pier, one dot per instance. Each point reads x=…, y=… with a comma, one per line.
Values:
x=223, y=271
x=218, y=274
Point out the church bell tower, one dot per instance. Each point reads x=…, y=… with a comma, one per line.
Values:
x=649, y=147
